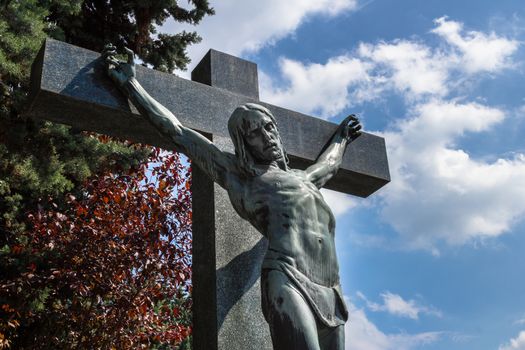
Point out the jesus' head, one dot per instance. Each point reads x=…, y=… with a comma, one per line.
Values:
x=256, y=139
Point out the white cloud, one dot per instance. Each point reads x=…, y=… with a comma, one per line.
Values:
x=409, y=67
x=248, y=25
x=520, y=321
x=479, y=51
x=362, y=334
x=394, y=304
x=415, y=70
x=316, y=88
x=449, y=195
x=517, y=343
x=340, y=203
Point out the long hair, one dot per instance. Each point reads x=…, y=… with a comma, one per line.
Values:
x=236, y=124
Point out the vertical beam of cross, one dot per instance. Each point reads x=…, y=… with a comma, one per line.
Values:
x=227, y=251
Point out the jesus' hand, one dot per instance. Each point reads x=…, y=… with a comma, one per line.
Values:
x=120, y=72
x=350, y=128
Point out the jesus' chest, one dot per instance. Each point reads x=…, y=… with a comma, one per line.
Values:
x=280, y=196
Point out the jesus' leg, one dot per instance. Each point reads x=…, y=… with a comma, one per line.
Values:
x=332, y=338
x=292, y=323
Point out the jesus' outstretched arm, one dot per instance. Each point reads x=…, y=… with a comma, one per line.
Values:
x=199, y=149
x=329, y=161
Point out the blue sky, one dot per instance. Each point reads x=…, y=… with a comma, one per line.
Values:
x=435, y=259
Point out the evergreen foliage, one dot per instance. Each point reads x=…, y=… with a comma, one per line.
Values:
x=42, y=163
x=133, y=24
x=41, y=159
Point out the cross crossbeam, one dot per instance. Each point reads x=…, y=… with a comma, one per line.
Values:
x=70, y=86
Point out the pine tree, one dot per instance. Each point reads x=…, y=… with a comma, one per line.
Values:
x=40, y=159
x=133, y=24
x=43, y=164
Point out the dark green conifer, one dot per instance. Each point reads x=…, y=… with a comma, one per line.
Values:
x=41, y=159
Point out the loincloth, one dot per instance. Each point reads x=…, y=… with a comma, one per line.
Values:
x=326, y=303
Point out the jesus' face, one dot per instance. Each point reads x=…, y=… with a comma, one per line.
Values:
x=262, y=138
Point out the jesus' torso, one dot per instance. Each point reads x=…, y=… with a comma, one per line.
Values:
x=290, y=211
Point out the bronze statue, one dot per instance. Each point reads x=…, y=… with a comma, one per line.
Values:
x=301, y=295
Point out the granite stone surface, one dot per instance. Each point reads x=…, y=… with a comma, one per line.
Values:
x=239, y=250
x=227, y=257
x=204, y=276
x=69, y=85
x=228, y=72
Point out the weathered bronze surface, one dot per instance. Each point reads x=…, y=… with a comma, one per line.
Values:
x=301, y=296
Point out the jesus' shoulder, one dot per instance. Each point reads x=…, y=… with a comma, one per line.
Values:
x=221, y=167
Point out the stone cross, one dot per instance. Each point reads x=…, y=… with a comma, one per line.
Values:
x=70, y=86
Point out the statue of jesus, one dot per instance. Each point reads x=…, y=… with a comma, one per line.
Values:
x=301, y=294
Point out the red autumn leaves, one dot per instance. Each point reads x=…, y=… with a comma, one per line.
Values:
x=110, y=268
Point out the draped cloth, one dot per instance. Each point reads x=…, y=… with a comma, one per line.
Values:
x=326, y=302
